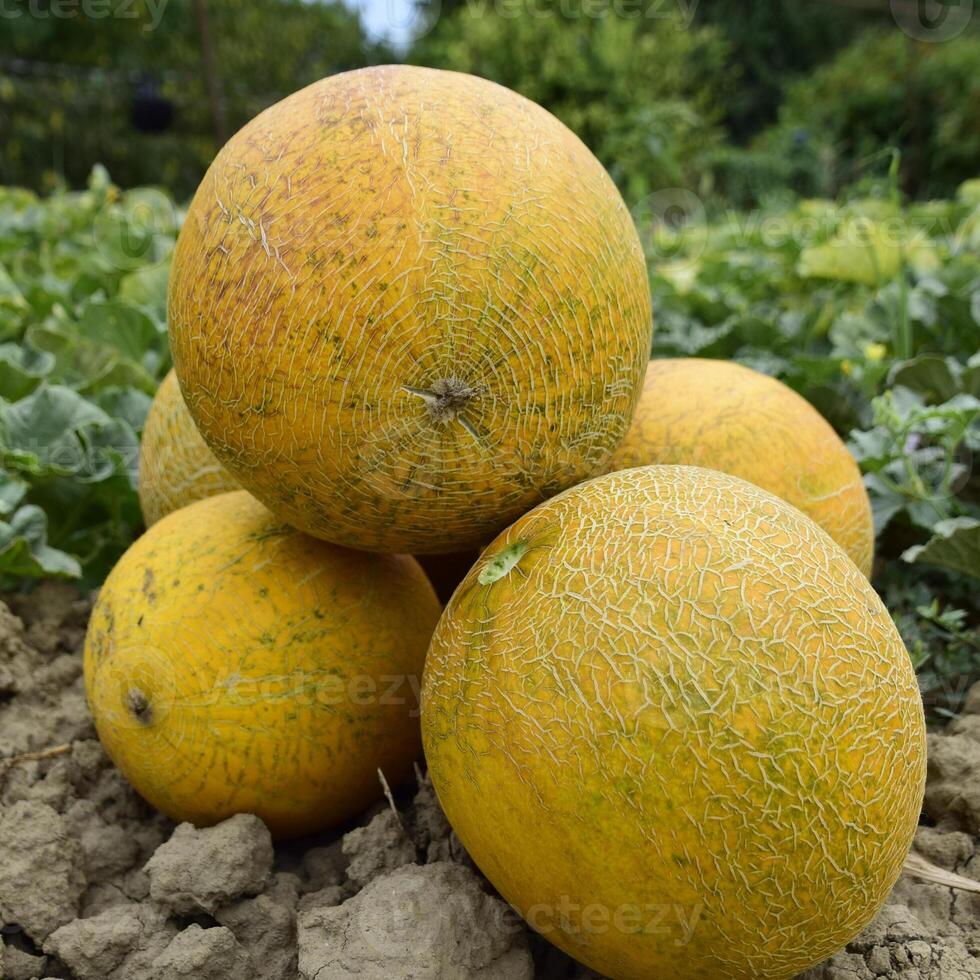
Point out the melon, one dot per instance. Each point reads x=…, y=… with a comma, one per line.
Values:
x=176, y=467
x=407, y=305
x=724, y=416
x=234, y=664
x=674, y=725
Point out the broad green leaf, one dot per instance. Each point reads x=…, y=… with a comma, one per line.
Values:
x=22, y=369
x=10, y=296
x=955, y=546
x=13, y=307
x=868, y=252
x=873, y=448
x=124, y=329
x=852, y=334
x=129, y=404
x=25, y=552
x=885, y=503
x=932, y=376
x=111, y=345
x=146, y=289
x=12, y=492
x=56, y=432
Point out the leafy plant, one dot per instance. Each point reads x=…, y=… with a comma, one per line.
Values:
x=83, y=281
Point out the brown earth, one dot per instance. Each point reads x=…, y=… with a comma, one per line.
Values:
x=94, y=885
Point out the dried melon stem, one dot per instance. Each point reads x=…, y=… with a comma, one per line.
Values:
x=447, y=397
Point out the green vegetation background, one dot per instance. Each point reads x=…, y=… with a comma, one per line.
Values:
x=803, y=177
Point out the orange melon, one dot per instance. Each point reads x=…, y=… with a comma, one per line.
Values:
x=727, y=417
x=676, y=728
x=233, y=664
x=176, y=467
x=407, y=305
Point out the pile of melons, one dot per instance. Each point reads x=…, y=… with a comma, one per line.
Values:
x=409, y=315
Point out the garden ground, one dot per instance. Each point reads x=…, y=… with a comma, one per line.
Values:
x=95, y=885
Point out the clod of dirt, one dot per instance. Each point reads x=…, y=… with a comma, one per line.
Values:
x=431, y=922
x=41, y=874
x=203, y=954
x=953, y=785
x=42, y=668
x=201, y=870
x=321, y=868
x=54, y=615
x=16, y=964
x=266, y=928
x=379, y=847
x=897, y=946
x=119, y=944
x=430, y=828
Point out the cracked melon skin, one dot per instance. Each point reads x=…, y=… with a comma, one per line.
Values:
x=406, y=306
x=666, y=709
x=725, y=416
x=235, y=665
x=176, y=467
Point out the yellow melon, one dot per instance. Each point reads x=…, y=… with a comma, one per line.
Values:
x=675, y=726
x=727, y=417
x=176, y=467
x=407, y=305
x=233, y=664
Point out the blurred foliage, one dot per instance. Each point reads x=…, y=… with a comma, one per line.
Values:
x=871, y=310
x=83, y=345
x=72, y=86
x=744, y=104
x=642, y=94
x=888, y=90
x=773, y=43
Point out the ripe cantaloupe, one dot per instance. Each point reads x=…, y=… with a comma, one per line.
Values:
x=176, y=467
x=725, y=416
x=406, y=306
x=233, y=664
x=675, y=726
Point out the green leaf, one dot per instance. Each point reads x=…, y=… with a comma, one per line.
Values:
x=13, y=307
x=932, y=376
x=128, y=404
x=110, y=345
x=55, y=432
x=955, y=546
x=12, y=492
x=22, y=369
x=868, y=252
x=146, y=289
x=11, y=297
x=25, y=552
x=885, y=503
x=124, y=329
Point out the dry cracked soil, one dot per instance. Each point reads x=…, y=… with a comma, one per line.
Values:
x=95, y=885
